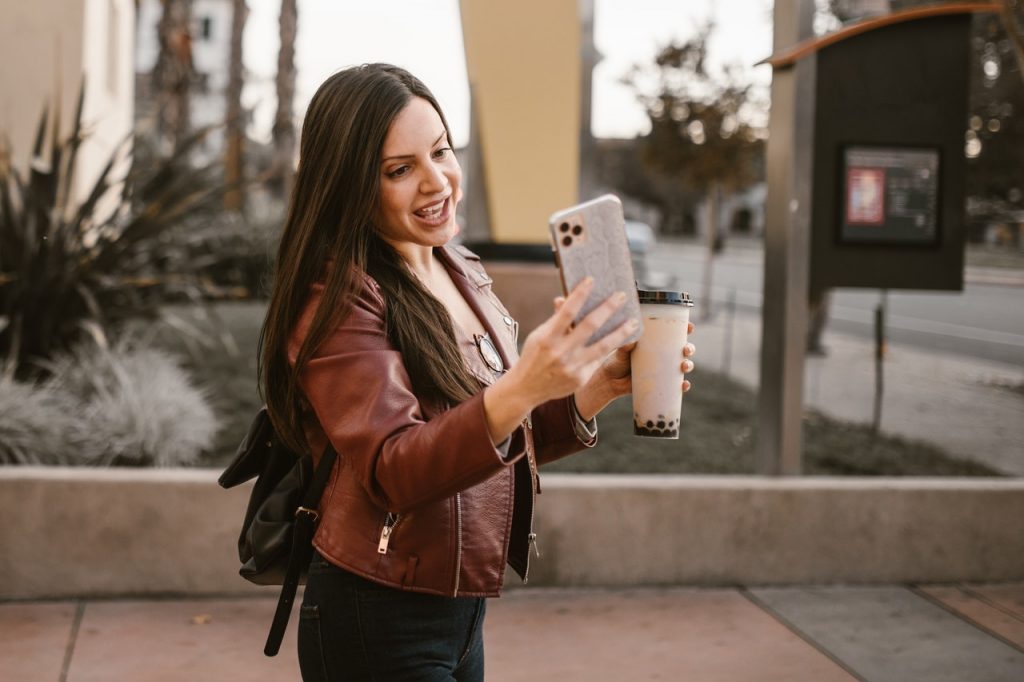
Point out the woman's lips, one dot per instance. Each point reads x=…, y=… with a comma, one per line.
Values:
x=435, y=214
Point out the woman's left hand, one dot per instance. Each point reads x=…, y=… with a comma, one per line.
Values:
x=613, y=379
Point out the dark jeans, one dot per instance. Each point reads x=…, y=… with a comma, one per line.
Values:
x=353, y=629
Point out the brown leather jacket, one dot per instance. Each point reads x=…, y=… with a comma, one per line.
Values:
x=420, y=498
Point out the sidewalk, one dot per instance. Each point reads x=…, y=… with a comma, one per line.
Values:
x=947, y=633
x=967, y=406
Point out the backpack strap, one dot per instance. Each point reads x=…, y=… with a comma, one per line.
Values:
x=306, y=517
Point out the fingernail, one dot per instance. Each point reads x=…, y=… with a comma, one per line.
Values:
x=587, y=281
x=633, y=324
x=620, y=297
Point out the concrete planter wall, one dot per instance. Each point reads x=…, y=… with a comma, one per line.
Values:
x=87, y=532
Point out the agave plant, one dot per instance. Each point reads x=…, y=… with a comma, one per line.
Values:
x=70, y=267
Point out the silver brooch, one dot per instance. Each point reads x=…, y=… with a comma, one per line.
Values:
x=488, y=352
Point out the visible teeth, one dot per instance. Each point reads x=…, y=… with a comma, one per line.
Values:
x=432, y=212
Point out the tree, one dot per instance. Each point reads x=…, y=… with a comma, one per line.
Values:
x=620, y=164
x=173, y=74
x=234, y=147
x=700, y=133
x=995, y=127
x=1013, y=23
x=284, y=124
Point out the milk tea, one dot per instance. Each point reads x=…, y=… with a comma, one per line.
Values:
x=656, y=363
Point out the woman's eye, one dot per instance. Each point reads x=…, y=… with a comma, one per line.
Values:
x=442, y=152
x=398, y=172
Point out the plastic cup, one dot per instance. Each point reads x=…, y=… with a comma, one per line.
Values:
x=656, y=363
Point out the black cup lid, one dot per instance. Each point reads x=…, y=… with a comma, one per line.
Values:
x=665, y=297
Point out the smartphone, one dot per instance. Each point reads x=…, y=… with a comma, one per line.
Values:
x=590, y=239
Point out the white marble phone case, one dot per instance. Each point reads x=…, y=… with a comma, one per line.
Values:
x=590, y=239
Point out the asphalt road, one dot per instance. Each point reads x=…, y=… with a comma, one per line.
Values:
x=984, y=321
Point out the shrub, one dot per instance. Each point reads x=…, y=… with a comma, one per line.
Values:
x=37, y=424
x=131, y=405
x=136, y=405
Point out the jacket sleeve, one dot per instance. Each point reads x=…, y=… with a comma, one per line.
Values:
x=558, y=431
x=358, y=387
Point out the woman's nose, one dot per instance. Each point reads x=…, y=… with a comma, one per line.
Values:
x=433, y=180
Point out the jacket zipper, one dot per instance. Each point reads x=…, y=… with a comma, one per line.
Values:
x=391, y=522
x=458, y=542
x=532, y=537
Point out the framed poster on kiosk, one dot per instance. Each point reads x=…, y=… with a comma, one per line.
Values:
x=889, y=196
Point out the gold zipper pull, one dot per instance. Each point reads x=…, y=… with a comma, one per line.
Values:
x=385, y=538
x=390, y=521
x=532, y=537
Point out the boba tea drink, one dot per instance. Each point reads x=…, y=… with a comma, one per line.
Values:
x=656, y=360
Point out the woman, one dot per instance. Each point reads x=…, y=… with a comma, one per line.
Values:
x=384, y=339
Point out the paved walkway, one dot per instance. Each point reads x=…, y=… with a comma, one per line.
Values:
x=953, y=633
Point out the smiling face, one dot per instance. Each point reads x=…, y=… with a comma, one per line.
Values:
x=420, y=183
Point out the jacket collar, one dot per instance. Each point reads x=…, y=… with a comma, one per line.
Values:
x=472, y=283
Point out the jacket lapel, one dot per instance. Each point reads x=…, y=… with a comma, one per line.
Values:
x=472, y=284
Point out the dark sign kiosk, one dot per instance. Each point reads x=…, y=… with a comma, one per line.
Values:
x=866, y=181
x=888, y=166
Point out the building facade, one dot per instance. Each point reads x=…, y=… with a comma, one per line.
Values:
x=210, y=44
x=50, y=50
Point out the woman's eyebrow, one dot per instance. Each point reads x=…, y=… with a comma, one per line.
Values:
x=410, y=156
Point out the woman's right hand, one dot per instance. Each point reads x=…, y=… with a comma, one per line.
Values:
x=555, y=360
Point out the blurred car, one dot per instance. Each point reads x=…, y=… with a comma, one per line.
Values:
x=640, y=237
x=641, y=242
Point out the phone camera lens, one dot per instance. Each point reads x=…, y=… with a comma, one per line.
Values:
x=564, y=227
x=577, y=230
x=566, y=241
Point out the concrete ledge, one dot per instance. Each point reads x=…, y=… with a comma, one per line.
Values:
x=71, y=532
x=697, y=530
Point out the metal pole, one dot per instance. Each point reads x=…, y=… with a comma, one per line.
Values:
x=730, y=323
x=876, y=422
x=709, y=258
x=787, y=248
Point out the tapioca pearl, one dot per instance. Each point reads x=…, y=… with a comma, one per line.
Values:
x=661, y=425
x=650, y=424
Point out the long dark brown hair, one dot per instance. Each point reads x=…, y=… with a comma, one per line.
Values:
x=330, y=217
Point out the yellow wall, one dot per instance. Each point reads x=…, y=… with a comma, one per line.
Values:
x=523, y=60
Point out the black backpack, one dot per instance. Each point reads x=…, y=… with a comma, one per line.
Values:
x=276, y=542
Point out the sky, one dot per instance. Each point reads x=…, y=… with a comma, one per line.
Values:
x=425, y=37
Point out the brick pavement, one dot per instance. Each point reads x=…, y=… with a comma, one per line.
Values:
x=820, y=633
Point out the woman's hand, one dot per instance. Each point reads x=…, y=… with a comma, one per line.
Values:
x=613, y=379
x=555, y=361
